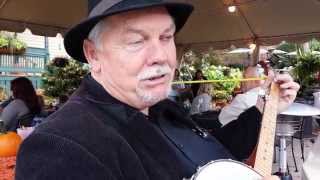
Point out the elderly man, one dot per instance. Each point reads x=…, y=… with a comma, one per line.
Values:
x=245, y=100
x=116, y=126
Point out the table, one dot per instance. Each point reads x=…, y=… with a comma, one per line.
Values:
x=303, y=111
x=299, y=109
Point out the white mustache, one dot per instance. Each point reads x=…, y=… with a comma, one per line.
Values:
x=154, y=71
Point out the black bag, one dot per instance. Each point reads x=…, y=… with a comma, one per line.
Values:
x=25, y=120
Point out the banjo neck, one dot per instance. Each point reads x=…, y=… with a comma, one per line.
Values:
x=227, y=169
x=264, y=154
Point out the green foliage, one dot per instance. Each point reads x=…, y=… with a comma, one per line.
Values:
x=194, y=61
x=288, y=47
x=315, y=45
x=223, y=90
x=17, y=44
x=9, y=41
x=62, y=77
x=4, y=42
x=209, y=63
x=305, y=64
x=306, y=67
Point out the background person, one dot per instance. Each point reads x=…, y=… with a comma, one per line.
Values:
x=243, y=101
x=195, y=86
x=24, y=106
x=203, y=101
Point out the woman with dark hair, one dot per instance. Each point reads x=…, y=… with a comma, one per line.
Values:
x=195, y=87
x=24, y=106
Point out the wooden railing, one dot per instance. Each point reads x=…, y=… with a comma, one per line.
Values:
x=22, y=63
x=27, y=65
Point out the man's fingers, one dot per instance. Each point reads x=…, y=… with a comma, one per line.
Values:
x=289, y=93
x=280, y=78
x=290, y=85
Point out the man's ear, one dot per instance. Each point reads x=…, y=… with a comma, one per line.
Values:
x=90, y=52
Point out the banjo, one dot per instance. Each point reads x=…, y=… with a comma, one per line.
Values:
x=228, y=169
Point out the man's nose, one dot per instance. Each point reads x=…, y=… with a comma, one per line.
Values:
x=158, y=53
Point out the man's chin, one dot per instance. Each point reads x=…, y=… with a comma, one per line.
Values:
x=153, y=99
x=150, y=99
x=152, y=96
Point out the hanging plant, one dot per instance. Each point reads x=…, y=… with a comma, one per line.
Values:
x=11, y=45
x=60, y=62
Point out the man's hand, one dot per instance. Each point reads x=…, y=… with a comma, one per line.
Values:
x=288, y=89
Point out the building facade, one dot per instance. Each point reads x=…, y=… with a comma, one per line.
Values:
x=40, y=50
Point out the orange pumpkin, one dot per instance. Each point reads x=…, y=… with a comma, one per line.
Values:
x=9, y=144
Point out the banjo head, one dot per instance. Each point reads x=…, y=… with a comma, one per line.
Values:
x=226, y=169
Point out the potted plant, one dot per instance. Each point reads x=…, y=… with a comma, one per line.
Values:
x=11, y=45
x=306, y=69
x=222, y=91
x=4, y=42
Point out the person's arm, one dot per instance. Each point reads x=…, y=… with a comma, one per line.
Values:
x=240, y=136
x=233, y=110
x=10, y=114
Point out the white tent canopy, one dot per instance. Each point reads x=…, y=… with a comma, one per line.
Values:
x=261, y=21
x=266, y=22
x=42, y=17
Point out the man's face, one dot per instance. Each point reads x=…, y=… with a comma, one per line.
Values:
x=251, y=72
x=137, y=57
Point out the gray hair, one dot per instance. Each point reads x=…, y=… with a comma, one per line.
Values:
x=96, y=31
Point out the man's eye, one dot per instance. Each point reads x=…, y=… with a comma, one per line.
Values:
x=135, y=45
x=136, y=42
x=166, y=37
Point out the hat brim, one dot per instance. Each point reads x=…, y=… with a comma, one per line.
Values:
x=75, y=37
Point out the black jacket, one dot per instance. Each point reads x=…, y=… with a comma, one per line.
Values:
x=94, y=136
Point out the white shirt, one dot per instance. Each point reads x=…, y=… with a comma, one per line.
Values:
x=201, y=103
x=239, y=104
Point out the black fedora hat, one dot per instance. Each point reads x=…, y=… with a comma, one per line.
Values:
x=99, y=9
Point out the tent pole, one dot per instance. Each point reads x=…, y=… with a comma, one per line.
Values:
x=255, y=55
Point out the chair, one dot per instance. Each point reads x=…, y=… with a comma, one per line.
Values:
x=301, y=134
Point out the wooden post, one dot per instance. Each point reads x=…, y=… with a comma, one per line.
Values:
x=255, y=55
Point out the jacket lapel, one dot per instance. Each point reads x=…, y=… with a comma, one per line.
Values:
x=156, y=143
